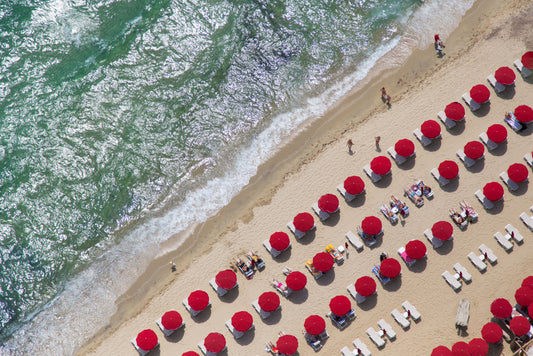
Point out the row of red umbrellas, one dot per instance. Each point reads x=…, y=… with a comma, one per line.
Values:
x=476, y=347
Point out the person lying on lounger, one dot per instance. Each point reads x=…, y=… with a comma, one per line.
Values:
x=277, y=284
x=457, y=218
x=414, y=197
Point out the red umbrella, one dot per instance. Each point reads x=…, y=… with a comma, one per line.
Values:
x=519, y=325
x=328, y=203
x=479, y=93
x=404, y=147
x=198, y=300
x=415, y=249
x=171, y=320
x=523, y=113
x=354, y=185
x=505, y=75
x=214, y=342
x=390, y=267
x=501, y=308
x=448, y=169
x=493, y=191
x=524, y=296
x=530, y=310
x=474, y=150
x=279, y=241
x=430, y=128
x=226, y=279
x=287, y=344
x=365, y=286
x=442, y=230
x=340, y=305
x=190, y=353
x=460, y=348
x=323, y=261
x=497, y=133
x=478, y=347
x=441, y=351
x=527, y=60
x=492, y=332
x=371, y=225
x=146, y=340
x=517, y=172
x=528, y=282
x=380, y=165
x=303, y=222
x=296, y=281
x=242, y=321
x=455, y=111
x=268, y=301
x=315, y=324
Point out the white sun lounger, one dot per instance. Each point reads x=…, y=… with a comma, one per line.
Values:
x=354, y=240
x=477, y=262
x=467, y=277
x=481, y=197
x=468, y=162
x=358, y=297
x=263, y=314
x=528, y=220
x=434, y=241
x=220, y=291
x=408, y=260
x=236, y=334
x=517, y=236
x=523, y=70
x=421, y=138
x=389, y=331
x=320, y=213
x=471, y=103
x=374, y=336
x=141, y=351
x=498, y=87
x=450, y=124
x=165, y=331
x=359, y=345
x=412, y=310
x=297, y=233
x=400, y=319
x=508, y=182
x=373, y=176
x=491, y=257
x=491, y=145
x=395, y=156
x=506, y=244
x=273, y=251
x=347, y=196
x=442, y=181
x=345, y=351
x=529, y=159
x=451, y=280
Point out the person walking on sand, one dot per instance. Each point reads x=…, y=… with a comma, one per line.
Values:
x=349, y=144
x=377, y=138
x=384, y=96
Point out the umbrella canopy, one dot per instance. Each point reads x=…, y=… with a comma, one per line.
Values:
x=214, y=342
x=519, y=325
x=328, y=203
x=365, y=286
x=390, y=267
x=287, y=344
x=415, y=249
x=268, y=301
x=340, y=305
x=524, y=296
x=315, y=324
x=354, y=185
x=530, y=310
x=404, y=147
x=198, y=300
x=492, y=333
x=190, y=353
x=478, y=347
x=480, y=93
x=442, y=230
x=226, y=279
x=441, y=351
x=505, y=75
x=242, y=321
x=430, y=128
x=296, y=280
x=527, y=60
x=501, y=308
x=523, y=113
x=460, y=348
x=497, y=133
x=527, y=282
x=448, y=169
x=171, y=320
x=323, y=261
x=517, y=172
x=146, y=340
x=371, y=225
x=493, y=191
x=380, y=165
x=303, y=222
x=474, y=150
x=455, y=111
x=279, y=241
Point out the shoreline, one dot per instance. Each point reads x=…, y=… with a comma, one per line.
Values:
x=289, y=161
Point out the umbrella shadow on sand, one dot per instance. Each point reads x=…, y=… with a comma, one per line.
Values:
x=327, y=278
x=433, y=146
x=408, y=164
x=522, y=189
x=299, y=297
x=308, y=238
x=419, y=266
x=358, y=201
x=203, y=316
x=284, y=256
x=500, y=150
x=498, y=207
x=482, y=111
x=394, y=284
x=230, y=296
x=176, y=336
x=369, y=303
x=451, y=186
x=384, y=182
x=508, y=93
x=527, y=131
x=478, y=167
x=333, y=219
x=274, y=317
x=458, y=129
x=446, y=248
x=247, y=338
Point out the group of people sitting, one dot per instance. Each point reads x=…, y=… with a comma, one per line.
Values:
x=247, y=268
x=467, y=214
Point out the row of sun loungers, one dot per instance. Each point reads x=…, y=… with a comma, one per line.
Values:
x=504, y=242
x=463, y=273
x=452, y=280
x=527, y=219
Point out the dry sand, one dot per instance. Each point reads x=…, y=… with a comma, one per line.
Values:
x=482, y=43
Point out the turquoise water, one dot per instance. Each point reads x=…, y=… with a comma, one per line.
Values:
x=123, y=122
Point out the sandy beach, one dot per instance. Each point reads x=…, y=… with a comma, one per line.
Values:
x=492, y=34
